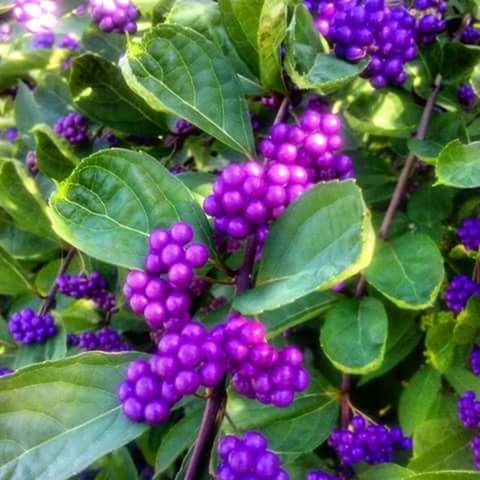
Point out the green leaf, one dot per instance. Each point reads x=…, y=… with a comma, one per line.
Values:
x=54, y=155
x=13, y=278
x=354, y=335
x=403, y=336
x=440, y=345
x=468, y=322
x=114, y=199
x=462, y=380
x=178, y=70
x=109, y=46
x=389, y=113
x=50, y=409
x=407, y=270
x=119, y=466
x=296, y=313
x=307, y=63
x=54, y=348
x=425, y=150
x=199, y=183
x=294, y=430
x=387, y=471
x=459, y=62
x=20, y=197
x=100, y=91
x=177, y=440
x=458, y=165
x=451, y=451
x=27, y=113
x=424, y=386
x=323, y=238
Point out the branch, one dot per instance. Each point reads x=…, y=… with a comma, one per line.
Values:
x=50, y=298
x=215, y=406
x=281, y=110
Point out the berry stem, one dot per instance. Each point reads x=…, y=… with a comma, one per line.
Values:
x=216, y=280
x=50, y=298
x=465, y=23
x=281, y=110
x=401, y=186
x=223, y=268
x=345, y=401
x=215, y=406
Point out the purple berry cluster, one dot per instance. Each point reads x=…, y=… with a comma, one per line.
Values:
x=471, y=34
x=185, y=361
x=92, y=286
x=469, y=233
x=460, y=289
x=248, y=458
x=319, y=475
x=468, y=409
x=106, y=340
x=69, y=41
x=73, y=127
x=161, y=293
x=5, y=371
x=119, y=16
x=324, y=14
x=475, y=360
x=475, y=447
x=36, y=15
x=43, y=40
x=466, y=95
x=431, y=19
x=369, y=443
x=28, y=327
x=259, y=370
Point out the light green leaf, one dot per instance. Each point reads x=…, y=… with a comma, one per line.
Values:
x=178, y=70
x=467, y=323
x=462, y=380
x=54, y=155
x=354, y=335
x=458, y=165
x=178, y=438
x=418, y=398
x=49, y=409
x=199, y=183
x=21, y=198
x=387, y=471
x=294, y=430
x=440, y=345
x=407, y=270
x=323, y=238
x=100, y=91
x=114, y=199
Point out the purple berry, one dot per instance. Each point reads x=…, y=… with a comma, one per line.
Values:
x=27, y=327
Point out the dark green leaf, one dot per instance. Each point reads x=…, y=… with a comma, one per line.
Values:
x=459, y=61
x=100, y=91
x=323, y=238
x=354, y=335
x=176, y=69
x=13, y=278
x=119, y=466
x=114, y=199
x=418, y=398
x=54, y=155
x=180, y=436
x=407, y=270
x=458, y=165
x=27, y=113
x=20, y=197
x=109, y=46
x=50, y=409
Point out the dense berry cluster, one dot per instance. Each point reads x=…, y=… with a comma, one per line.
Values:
x=431, y=19
x=469, y=233
x=475, y=447
x=369, y=443
x=73, y=127
x=319, y=475
x=260, y=370
x=460, y=289
x=161, y=293
x=468, y=409
x=43, y=40
x=185, y=361
x=466, y=95
x=248, y=458
x=28, y=327
x=5, y=371
x=118, y=16
x=324, y=13
x=92, y=286
x=471, y=34
x=475, y=360
x=36, y=15
x=106, y=340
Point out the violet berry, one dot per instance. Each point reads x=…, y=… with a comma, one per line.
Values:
x=73, y=127
x=36, y=15
x=469, y=233
x=466, y=95
x=460, y=289
x=28, y=327
x=119, y=16
x=468, y=410
x=475, y=360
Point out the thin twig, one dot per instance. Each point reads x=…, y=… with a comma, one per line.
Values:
x=345, y=401
x=49, y=301
x=223, y=268
x=231, y=422
x=216, y=280
x=281, y=110
x=465, y=23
